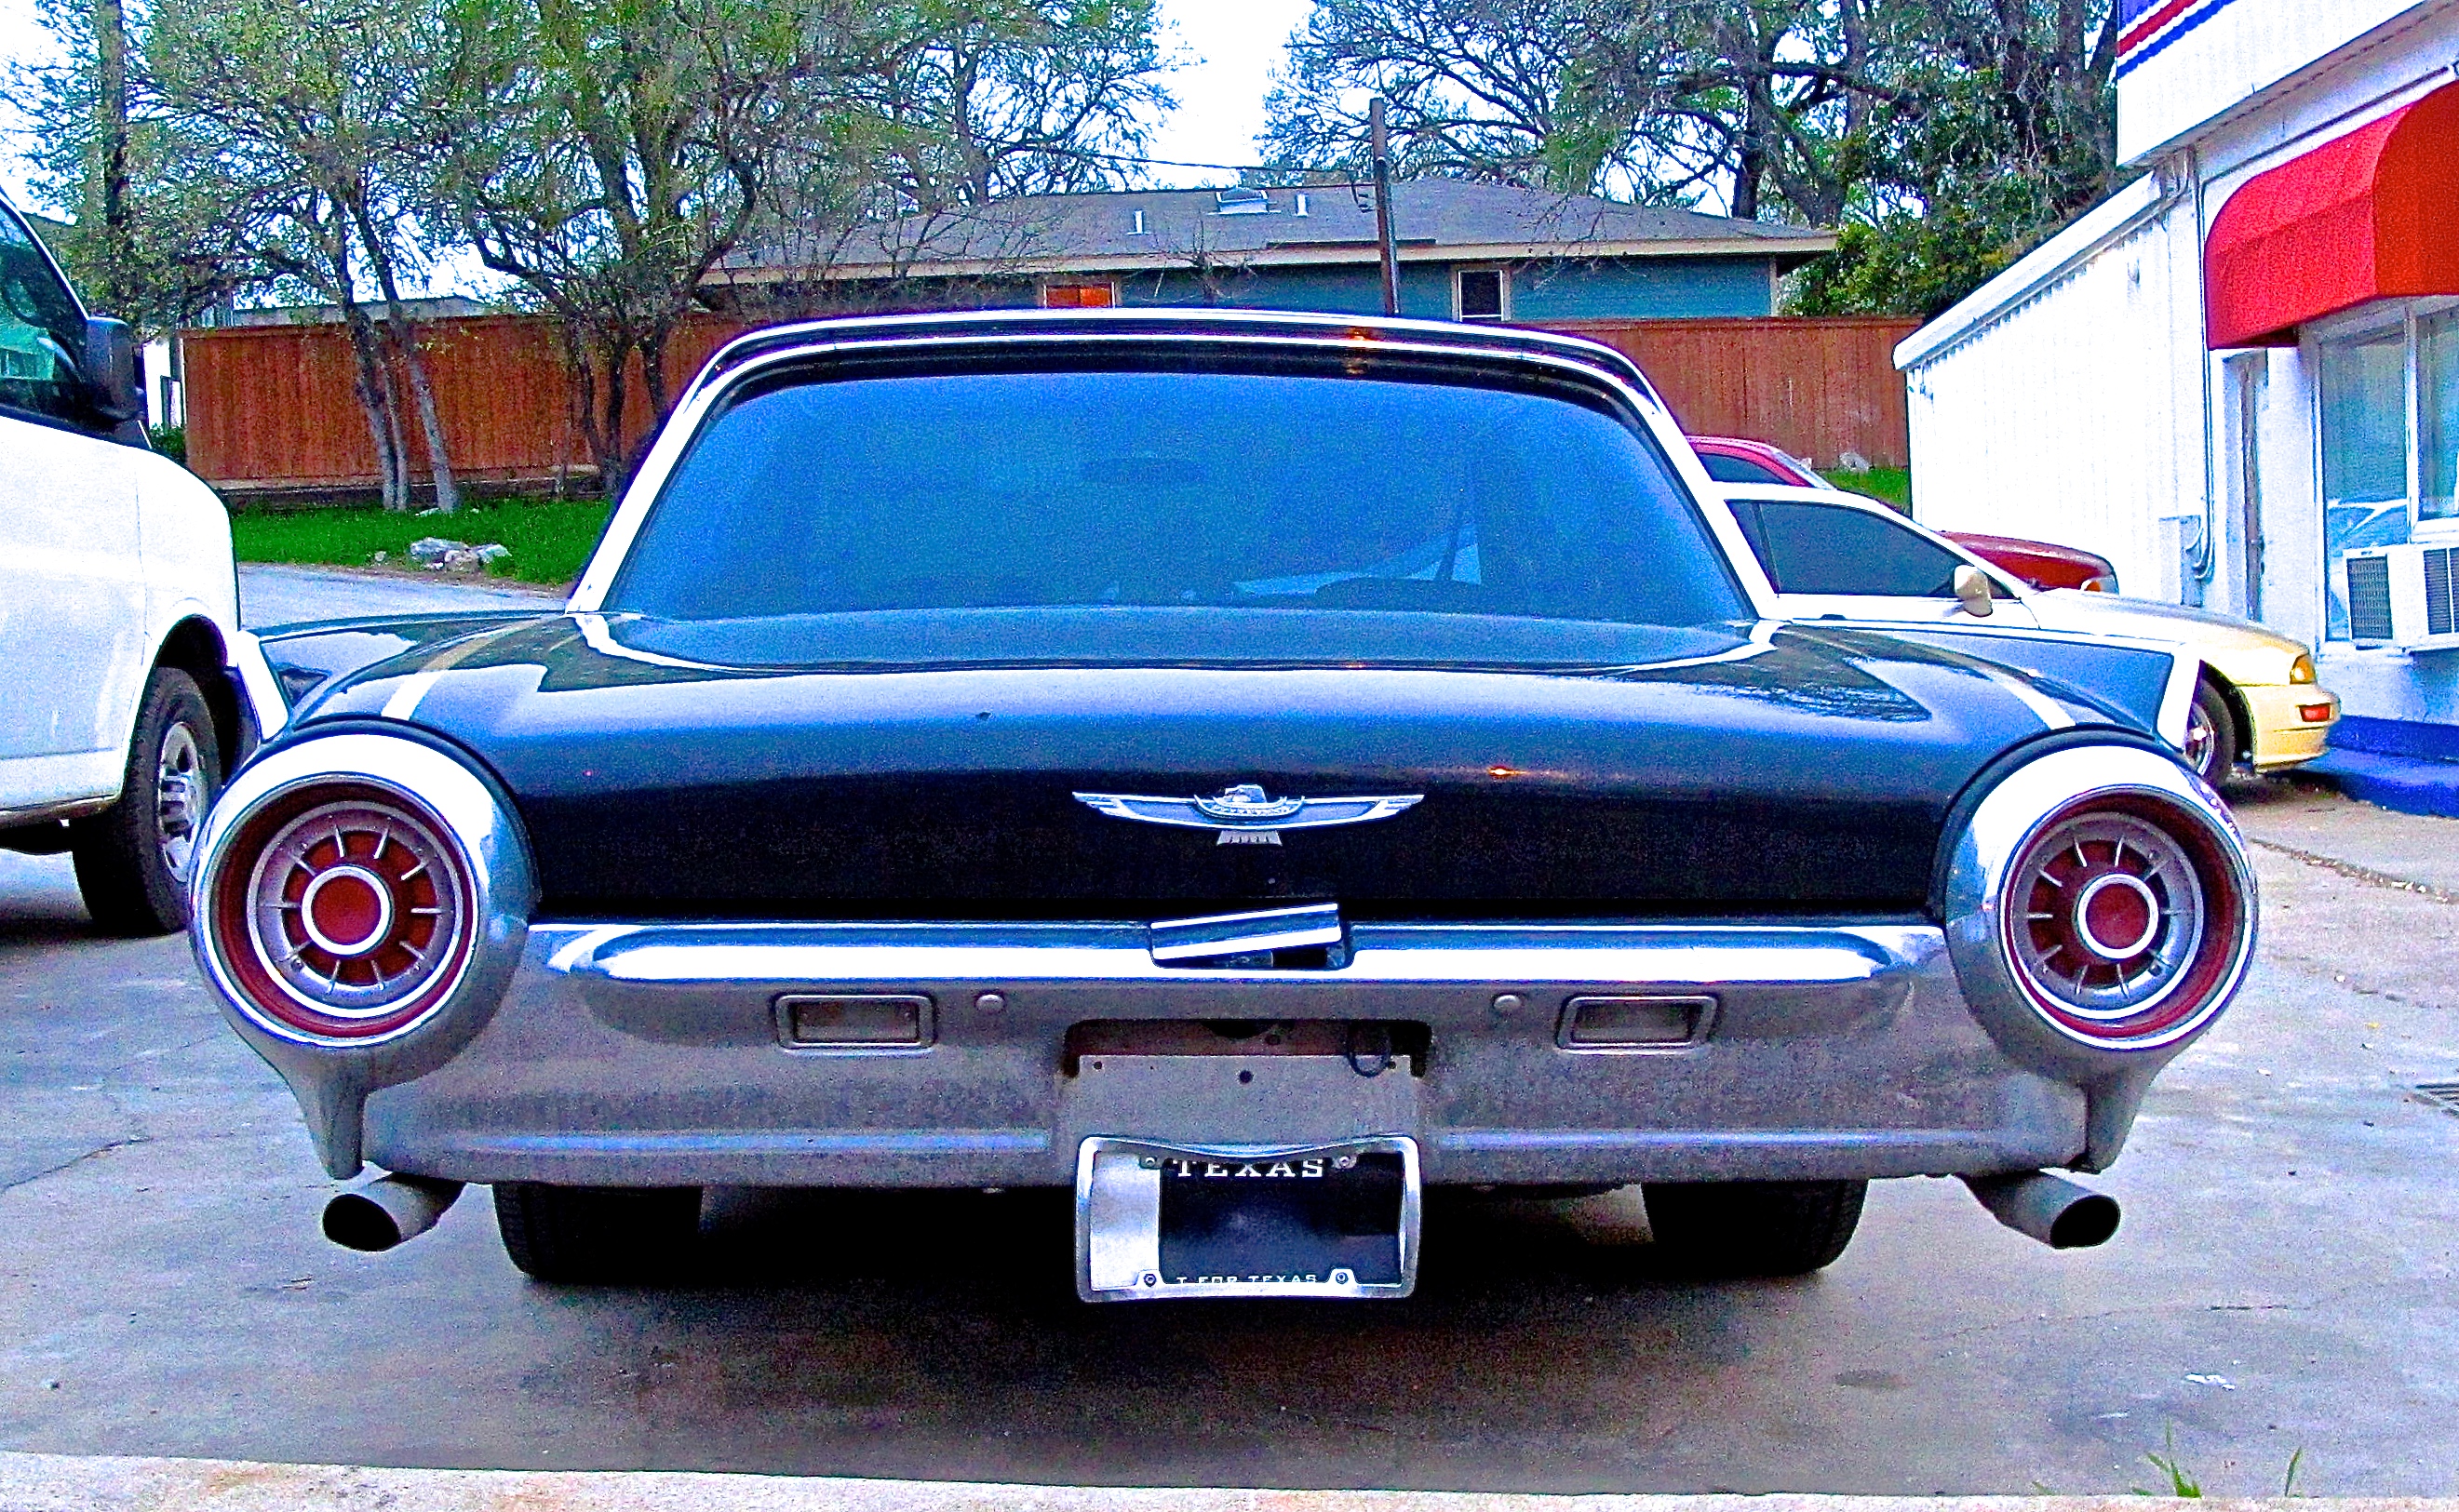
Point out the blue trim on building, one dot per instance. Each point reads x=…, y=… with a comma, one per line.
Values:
x=2394, y=781
x=2411, y=738
x=2403, y=765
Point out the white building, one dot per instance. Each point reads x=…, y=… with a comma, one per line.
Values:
x=2241, y=372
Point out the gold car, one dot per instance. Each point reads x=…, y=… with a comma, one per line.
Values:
x=1835, y=556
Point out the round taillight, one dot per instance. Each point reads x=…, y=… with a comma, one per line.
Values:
x=343, y=912
x=2123, y=921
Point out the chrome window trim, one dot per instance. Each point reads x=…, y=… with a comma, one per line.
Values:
x=725, y=372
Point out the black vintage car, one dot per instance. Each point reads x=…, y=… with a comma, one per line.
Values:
x=1245, y=769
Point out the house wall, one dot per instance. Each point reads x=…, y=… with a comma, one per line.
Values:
x=2073, y=399
x=1624, y=288
x=1644, y=288
x=2072, y=415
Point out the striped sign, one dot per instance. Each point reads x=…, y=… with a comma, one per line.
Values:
x=2147, y=27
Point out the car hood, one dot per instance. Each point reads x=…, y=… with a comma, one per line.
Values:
x=930, y=765
x=2242, y=650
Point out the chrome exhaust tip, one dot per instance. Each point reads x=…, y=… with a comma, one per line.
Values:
x=386, y=1212
x=2050, y=1208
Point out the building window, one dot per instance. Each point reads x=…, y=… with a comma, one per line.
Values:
x=1483, y=294
x=1078, y=296
x=2389, y=421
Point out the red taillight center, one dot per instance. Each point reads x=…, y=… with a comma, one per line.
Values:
x=2116, y=916
x=351, y=919
x=347, y=911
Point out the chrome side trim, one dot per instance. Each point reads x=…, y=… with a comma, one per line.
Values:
x=2178, y=702
x=257, y=685
x=699, y=956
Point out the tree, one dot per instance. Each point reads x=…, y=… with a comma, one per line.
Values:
x=632, y=143
x=1957, y=133
x=642, y=141
x=309, y=114
x=147, y=244
x=988, y=99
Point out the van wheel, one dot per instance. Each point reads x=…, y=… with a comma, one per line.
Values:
x=1725, y=1229
x=133, y=860
x=2211, y=735
x=593, y=1235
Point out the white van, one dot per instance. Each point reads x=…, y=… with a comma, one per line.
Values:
x=121, y=705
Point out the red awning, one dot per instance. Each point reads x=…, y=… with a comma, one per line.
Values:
x=2363, y=218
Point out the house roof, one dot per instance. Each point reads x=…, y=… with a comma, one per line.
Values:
x=1437, y=219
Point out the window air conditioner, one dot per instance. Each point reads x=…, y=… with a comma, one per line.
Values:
x=2402, y=595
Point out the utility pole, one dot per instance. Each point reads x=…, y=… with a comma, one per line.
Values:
x=1377, y=113
x=106, y=198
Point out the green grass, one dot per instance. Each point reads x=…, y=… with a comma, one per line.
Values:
x=550, y=538
x=1895, y=485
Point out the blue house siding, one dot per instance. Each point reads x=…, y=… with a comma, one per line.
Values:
x=1623, y=288
x=1644, y=288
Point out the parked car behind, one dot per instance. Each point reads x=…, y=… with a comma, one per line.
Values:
x=1837, y=556
x=1241, y=768
x=119, y=609
x=2037, y=564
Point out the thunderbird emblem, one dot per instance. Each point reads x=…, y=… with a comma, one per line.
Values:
x=1246, y=815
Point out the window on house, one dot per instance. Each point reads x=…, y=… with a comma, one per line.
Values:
x=1078, y=296
x=2365, y=456
x=2437, y=416
x=1482, y=294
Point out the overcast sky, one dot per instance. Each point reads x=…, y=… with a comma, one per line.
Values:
x=1231, y=49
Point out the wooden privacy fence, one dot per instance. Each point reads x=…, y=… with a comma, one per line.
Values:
x=1818, y=387
x=271, y=408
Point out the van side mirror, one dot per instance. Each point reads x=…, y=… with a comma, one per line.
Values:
x=1972, y=591
x=114, y=381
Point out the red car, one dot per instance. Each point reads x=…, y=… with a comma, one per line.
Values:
x=2042, y=564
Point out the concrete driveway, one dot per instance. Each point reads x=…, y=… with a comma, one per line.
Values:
x=273, y=594
x=2285, y=1282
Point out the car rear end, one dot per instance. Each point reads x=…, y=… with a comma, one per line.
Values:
x=1245, y=903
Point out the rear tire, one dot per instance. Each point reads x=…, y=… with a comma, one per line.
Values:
x=1725, y=1229
x=133, y=860
x=594, y=1235
x=2211, y=745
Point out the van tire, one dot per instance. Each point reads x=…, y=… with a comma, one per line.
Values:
x=131, y=859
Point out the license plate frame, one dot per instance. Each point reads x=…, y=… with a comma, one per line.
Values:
x=1127, y=1219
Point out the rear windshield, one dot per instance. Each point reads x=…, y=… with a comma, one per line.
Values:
x=1247, y=490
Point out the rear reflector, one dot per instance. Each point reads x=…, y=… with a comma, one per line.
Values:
x=852, y=1023
x=2314, y=713
x=1634, y=1023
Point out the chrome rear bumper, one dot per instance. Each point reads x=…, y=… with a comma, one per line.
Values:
x=656, y=1054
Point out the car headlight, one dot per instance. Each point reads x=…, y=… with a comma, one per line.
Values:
x=2300, y=670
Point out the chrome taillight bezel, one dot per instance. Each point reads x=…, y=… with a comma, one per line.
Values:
x=265, y=930
x=458, y=819
x=1987, y=907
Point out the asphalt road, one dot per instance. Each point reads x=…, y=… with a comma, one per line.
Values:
x=2284, y=1283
